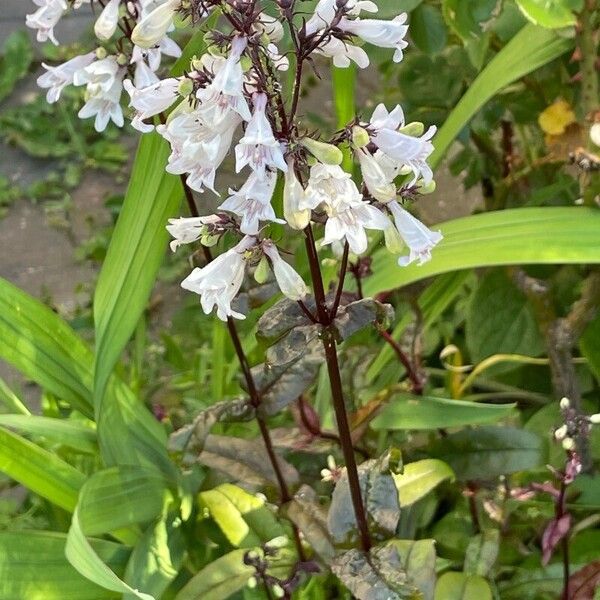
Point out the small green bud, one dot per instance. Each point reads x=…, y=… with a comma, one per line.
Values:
x=415, y=129
x=393, y=241
x=326, y=153
x=568, y=444
x=561, y=433
x=360, y=136
x=246, y=63
x=278, y=591
x=209, y=240
x=261, y=274
x=279, y=542
x=101, y=53
x=122, y=60
x=186, y=87
x=196, y=64
x=426, y=188
x=252, y=583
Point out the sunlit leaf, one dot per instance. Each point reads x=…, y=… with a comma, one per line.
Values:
x=419, y=478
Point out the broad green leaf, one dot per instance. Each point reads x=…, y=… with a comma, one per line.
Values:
x=404, y=412
x=242, y=517
x=530, y=49
x=11, y=401
x=488, y=452
x=135, y=253
x=500, y=320
x=84, y=558
x=533, y=584
x=482, y=553
x=137, y=492
x=508, y=237
x=419, y=478
x=33, y=566
x=427, y=29
x=220, y=579
x=37, y=342
x=39, y=470
x=548, y=13
x=432, y=303
x=344, y=83
x=74, y=434
x=419, y=561
x=157, y=557
x=458, y=586
x=17, y=56
x=467, y=16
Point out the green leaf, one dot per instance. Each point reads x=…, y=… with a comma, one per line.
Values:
x=11, y=401
x=482, y=553
x=344, y=85
x=548, y=13
x=488, y=452
x=157, y=557
x=529, y=50
x=458, y=586
x=17, y=56
x=36, y=341
x=406, y=412
x=419, y=478
x=419, y=561
x=466, y=16
x=33, y=566
x=69, y=433
x=427, y=29
x=500, y=320
x=137, y=492
x=220, y=579
x=242, y=517
x=39, y=470
x=135, y=253
x=508, y=237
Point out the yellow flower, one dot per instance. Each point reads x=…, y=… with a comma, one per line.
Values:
x=556, y=118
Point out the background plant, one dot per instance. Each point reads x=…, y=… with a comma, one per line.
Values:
x=493, y=468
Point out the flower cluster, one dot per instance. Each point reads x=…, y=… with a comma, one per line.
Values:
x=230, y=102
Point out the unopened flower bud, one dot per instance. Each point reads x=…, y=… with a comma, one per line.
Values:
x=278, y=591
x=415, y=129
x=252, y=583
x=595, y=419
x=261, y=274
x=122, y=60
x=426, y=188
x=595, y=134
x=561, y=433
x=568, y=444
x=393, y=241
x=101, y=53
x=186, y=87
x=325, y=153
x=153, y=27
x=279, y=542
x=209, y=240
x=294, y=209
x=360, y=136
x=565, y=403
x=107, y=22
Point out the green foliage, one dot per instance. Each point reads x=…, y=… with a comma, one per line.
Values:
x=15, y=61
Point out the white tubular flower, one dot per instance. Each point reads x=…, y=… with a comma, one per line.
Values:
x=57, y=78
x=220, y=281
x=45, y=18
x=384, y=34
x=343, y=53
x=419, y=238
x=100, y=76
x=107, y=22
x=226, y=91
x=325, y=12
x=348, y=215
x=154, y=25
x=270, y=26
x=294, y=198
x=252, y=202
x=258, y=148
x=186, y=230
x=144, y=76
x=405, y=150
x=152, y=100
x=380, y=185
x=289, y=281
x=105, y=106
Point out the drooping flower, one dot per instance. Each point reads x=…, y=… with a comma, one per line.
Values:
x=289, y=281
x=152, y=100
x=154, y=25
x=258, y=148
x=417, y=236
x=326, y=11
x=380, y=185
x=348, y=215
x=343, y=53
x=381, y=33
x=295, y=211
x=57, y=78
x=105, y=106
x=252, y=202
x=45, y=18
x=226, y=91
x=99, y=76
x=187, y=230
x=107, y=22
x=219, y=282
